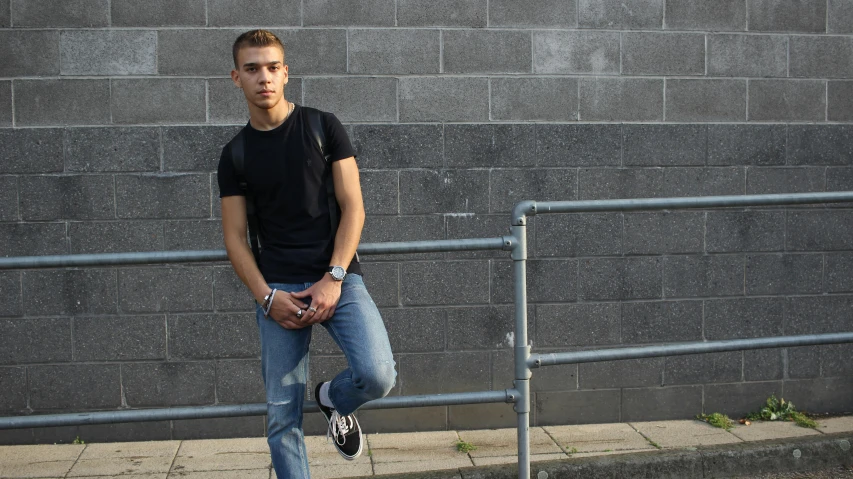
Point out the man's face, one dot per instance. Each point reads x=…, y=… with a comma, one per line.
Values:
x=262, y=74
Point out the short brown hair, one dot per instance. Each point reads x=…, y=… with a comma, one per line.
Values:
x=256, y=38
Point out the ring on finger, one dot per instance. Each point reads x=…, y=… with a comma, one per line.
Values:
x=312, y=309
x=299, y=314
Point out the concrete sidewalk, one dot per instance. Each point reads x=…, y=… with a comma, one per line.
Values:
x=390, y=453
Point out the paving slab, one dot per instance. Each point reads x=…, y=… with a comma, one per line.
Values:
x=491, y=460
x=131, y=450
x=341, y=470
x=598, y=437
x=504, y=442
x=128, y=476
x=38, y=461
x=835, y=424
x=435, y=446
x=610, y=453
x=420, y=466
x=765, y=430
x=222, y=455
x=115, y=466
x=684, y=433
x=245, y=474
x=324, y=453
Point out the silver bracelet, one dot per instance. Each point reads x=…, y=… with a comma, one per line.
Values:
x=269, y=305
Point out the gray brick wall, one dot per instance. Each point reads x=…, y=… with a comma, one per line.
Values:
x=113, y=114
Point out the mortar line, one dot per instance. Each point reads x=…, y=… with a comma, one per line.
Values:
x=207, y=101
x=746, y=7
x=110, y=13
x=788, y=57
x=826, y=27
x=206, y=13
x=706, y=54
x=440, y=51
x=346, y=40
x=578, y=99
x=664, y=99
x=12, y=94
x=395, y=13
x=747, y=100
x=663, y=16
x=826, y=101
x=487, y=14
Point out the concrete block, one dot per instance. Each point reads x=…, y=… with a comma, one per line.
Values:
x=621, y=99
x=663, y=54
x=193, y=235
x=748, y=55
x=693, y=181
x=821, y=57
x=508, y=187
x=577, y=324
x=10, y=294
x=692, y=276
x=20, y=344
x=444, y=13
x=787, y=15
x=383, y=282
x=395, y=52
x=112, y=149
x=195, y=148
x=5, y=103
x=486, y=327
x=661, y=321
x=378, y=13
x=713, y=15
x=152, y=289
x=539, y=13
x=662, y=403
x=818, y=315
x=763, y=365
x=163, y=196
x=78, y=386
x=840, y=100
x=158, y=100
x=840, y=16
x=212, y=47
x=62, y=102
x=13, y=389
x=451, y=282
x=577, y=407
x=444, y=99
x=823, y=395
x=473, y=416
x=445, y=373
x=616, y=374
x=619, y=278
x=169, y=384
x=61, y=13
x=787, y=100
x=75, y=197
x=585, y=234
x=664, y=145
x=489, y=145
x=759, y=145
x=839, y=179
x=784, y=180
x=834, y=360
x=239, y=382
x=418, y=330
x=398, y=146
x=115, y=237
x=401, y=420
x=737, y=400
x=5, y=13
x=229, y=293
x=537, y=99
x=380, y=191
x=549, y=281
x=213, y=336
x=662, y=233
x=119, y=338
x=73, y=291
x=486, y=51
x=381, y=229
x=108, y=52
x=9, y=199
x=820, y=145
x=553, y=378
x=158, y=13
x=579, y=145
x=226, y=13
x=784, y=274
x=32, y=239
x=575, y=52
x=803, y=362
x=733, y=231
x=704, y=368
x=621, y=15
x=354, y=99
x=29, y=53
x=26, y=150
x=839, y=273
x=480, y=226
x=706, y=100
x=447, y=191
x=610, y=183
x=819, y=230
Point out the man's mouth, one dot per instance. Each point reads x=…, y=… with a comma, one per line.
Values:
x=266, y=92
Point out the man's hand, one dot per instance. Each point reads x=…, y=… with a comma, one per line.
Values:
x=284, y=309
x=325, y=295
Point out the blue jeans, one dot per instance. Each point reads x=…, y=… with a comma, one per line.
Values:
x=358, y=330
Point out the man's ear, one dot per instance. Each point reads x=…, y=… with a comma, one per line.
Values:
x=235, y=77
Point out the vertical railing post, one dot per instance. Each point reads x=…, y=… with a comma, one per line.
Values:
x=522, y=344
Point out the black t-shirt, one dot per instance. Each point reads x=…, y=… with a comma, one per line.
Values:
x=286, y=173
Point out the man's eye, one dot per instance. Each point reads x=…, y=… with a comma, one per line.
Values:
x=273, y=68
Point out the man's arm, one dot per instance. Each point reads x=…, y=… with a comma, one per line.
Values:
x=243, y=262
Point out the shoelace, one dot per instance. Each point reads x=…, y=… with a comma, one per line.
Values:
x=339, y=426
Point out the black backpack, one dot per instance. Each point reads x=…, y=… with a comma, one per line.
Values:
x=316, y=127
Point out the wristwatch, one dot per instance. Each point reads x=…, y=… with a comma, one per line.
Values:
x=338, y=272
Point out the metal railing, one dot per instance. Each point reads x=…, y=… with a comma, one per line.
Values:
x=525, y=361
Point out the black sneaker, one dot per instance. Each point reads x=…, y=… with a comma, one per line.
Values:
x=343, y=429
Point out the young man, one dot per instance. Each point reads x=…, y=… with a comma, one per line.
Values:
x=308, y=271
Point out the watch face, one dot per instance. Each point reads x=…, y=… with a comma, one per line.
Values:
x=338, y=273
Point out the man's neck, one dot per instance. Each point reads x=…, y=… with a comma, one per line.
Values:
x=265, y=120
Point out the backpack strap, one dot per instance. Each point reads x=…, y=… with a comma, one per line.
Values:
x=316, y=127
x=238, y=158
